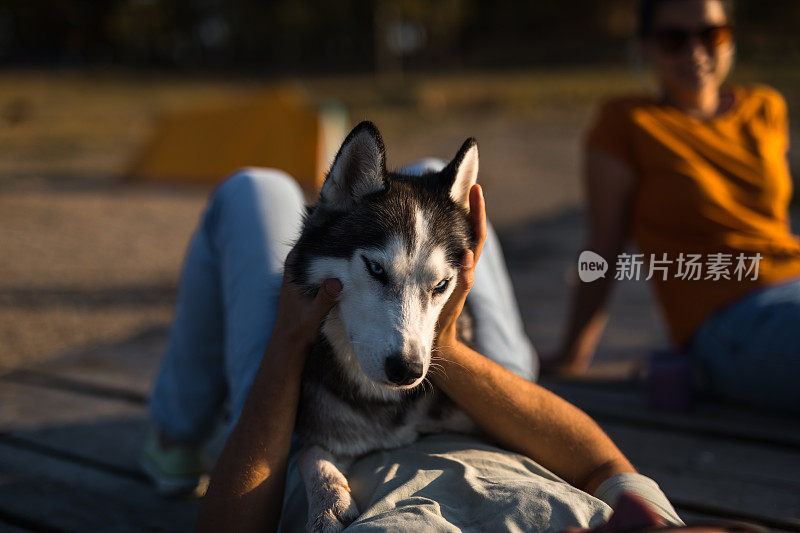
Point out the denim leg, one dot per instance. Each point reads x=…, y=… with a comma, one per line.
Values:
x=499, y=331
x=750, y=351
x=259, y=219
x=190, y=389
x=228, y=300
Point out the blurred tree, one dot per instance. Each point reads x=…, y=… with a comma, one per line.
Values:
x=301, y=36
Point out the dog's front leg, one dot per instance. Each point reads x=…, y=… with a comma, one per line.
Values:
x=330, y=506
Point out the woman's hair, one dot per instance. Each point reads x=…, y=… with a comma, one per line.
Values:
x=647, y=11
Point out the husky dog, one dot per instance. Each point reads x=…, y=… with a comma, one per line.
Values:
x=395, y=241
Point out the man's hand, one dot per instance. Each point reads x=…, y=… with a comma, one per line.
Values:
x=446, y=326
x=299, y=315
x=246, y=488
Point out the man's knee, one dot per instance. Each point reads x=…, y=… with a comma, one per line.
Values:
x=275, y=184
x=251, y=190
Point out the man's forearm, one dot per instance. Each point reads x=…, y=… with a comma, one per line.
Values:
x=246, y=491
x=528, y=419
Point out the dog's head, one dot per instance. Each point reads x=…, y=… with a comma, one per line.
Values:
x=395, y=242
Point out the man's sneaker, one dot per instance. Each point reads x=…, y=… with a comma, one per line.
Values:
x=176, y=470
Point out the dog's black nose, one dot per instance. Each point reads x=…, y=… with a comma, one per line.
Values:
x=402, y=372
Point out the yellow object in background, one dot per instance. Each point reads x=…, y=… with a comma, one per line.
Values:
x=279, y=127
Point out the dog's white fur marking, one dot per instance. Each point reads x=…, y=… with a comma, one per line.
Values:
x=421, y=230
x=466, y=177
x=329, y=267
x=372, y=321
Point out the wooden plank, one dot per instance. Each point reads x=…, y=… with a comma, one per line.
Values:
x=69, y=460
x=17, y=524
x=95, y=431
x=694, y=517
x=98, y=432
x=49, y=380
x=626, y=404
x=719, y=459
x=58, y=494
x=124, y=369
x=24, y=406
x=694, y=514
x=729, y=479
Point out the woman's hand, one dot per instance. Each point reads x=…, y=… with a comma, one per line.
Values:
x=300, y=315
x=446, y=326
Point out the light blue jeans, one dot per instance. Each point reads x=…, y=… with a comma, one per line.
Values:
x=228, y=297
x=750, y=350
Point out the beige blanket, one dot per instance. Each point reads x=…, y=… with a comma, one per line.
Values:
x=459, y=483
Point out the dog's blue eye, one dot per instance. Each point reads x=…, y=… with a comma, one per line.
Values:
x=441, y=286
x=374, y=268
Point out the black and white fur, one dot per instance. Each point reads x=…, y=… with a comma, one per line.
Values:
x=395, y=242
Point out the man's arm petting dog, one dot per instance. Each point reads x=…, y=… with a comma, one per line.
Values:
x=520, y=415
x=246, y=490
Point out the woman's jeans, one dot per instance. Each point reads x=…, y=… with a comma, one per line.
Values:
x=228, y=296
x=750, y=350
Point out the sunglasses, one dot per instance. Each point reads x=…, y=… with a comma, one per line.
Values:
x=676, y=40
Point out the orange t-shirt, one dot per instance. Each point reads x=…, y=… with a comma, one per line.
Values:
x=705, y=188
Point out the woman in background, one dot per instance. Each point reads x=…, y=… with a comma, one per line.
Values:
x=698, y=178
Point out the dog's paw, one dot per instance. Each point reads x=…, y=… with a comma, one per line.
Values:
x=332, y=509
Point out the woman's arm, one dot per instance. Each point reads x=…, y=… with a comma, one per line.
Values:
x=519, y=414
x=609, y=184
x=246, y=490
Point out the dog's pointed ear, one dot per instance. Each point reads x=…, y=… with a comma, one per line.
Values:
x=359, y=168
x=462, y=172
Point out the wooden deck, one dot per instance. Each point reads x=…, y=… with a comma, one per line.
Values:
x=70, y=430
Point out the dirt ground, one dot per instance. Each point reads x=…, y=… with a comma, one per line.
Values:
x=87, y=257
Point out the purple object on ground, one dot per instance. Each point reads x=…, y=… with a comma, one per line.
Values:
x=669, y=381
